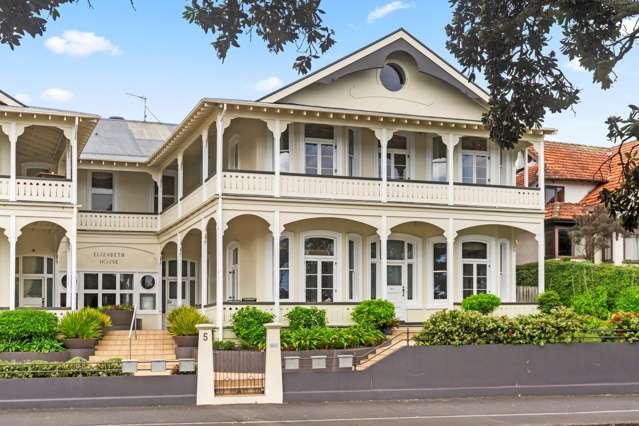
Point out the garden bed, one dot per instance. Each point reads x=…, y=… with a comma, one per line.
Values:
x=31, y=356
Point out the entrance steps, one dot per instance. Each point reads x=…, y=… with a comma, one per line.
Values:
x=400, y=338
x=146, y=345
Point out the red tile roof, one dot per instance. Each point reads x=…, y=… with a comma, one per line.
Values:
x=564, y=211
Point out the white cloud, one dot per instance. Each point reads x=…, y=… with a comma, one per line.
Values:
x=384, y=10
x=629, y=24
x=77, y=44
x=57, y=94
x=574, y=65
x=23, y=97
x=267, y=85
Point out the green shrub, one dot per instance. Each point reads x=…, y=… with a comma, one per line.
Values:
x=104, y=319
x=182, y=321
x=248, y=326
x=123, y=307
x=627, y=325
x=317, y=338
x=628, y=300
x=81, y=324
x=484, y=303
x=41, y=344
x=223, y=345
x=376, y=313
x=592, y=302
x=548, y=300
x=72, y=368
x=569, y=279
x=473, y=328
x=25, y=325
x=300, y=317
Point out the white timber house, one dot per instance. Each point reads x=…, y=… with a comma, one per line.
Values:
x=372, y=177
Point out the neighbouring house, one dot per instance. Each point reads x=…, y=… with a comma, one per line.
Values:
x=372, y=177
x=575, y=176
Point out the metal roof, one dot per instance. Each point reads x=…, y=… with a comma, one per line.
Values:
x=115, y=139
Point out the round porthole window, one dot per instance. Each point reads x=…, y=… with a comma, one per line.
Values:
x=147, y=282
x=392, y=77
x=64, y=281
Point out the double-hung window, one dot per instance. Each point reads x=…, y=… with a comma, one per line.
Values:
x=440, y=265
x=285, y=267
x=319, y=269
x=396, y=158
x=475, y=160
x=439, y=163
x=285, y=152
x=102, y=191
x=474, y=268
x=319, y=150
x=555, y=194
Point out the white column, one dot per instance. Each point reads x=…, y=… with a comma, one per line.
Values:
x=383, y=240
x=178, y=244
x=74, y=167
x=277, y=134
x=540, y=259
x=205, y=160
x=68, y=160
x=541, y=170
x=160, y=191
x=13, y=239
x=276, y=264
x=205, y=387
x=450, y=162
x=219, y=150
x=450, y=262
x=383, y=167
x=204, y=267
x=273, y=383
x=512, y=288
x=13, y=140
x=180, y=181
x=526, y=183
x=69, y=269
x=72, y=282
x=219, y=271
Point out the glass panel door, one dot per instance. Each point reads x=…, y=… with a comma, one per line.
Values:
x=319, y=158
x=319, y=281
x=32, y=294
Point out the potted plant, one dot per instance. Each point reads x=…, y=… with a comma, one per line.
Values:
x=182, y=324
x=80, y=330
x=121, y=315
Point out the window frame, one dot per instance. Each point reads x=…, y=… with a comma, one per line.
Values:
x=354, y=275
x=432, y=301
x=487, y=261
x=232, y=268
x=474, y=153
x=558, y=190
x=438, y=161
x=289, y=237
x=337, y=241
x=103, y=191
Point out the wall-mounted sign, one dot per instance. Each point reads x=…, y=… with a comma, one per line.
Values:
x=108, y=257
x=105, y=258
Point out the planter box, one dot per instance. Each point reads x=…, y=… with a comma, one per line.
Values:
x=79, y=343
x=120, y=320
x=186, y=341
x=32, y=356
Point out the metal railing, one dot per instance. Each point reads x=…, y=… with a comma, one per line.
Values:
x=133, y=329
x=239, y=372
x=380, y=351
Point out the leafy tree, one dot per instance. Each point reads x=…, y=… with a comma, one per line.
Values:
x=594, y=230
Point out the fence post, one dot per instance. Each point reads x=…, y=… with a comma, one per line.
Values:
x=205, y=374
x=273, y=387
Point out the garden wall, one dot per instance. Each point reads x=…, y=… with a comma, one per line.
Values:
x=483, y=370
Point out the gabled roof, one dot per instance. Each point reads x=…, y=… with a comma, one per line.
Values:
x=374, y=55
x=6, y=99
x=116, y=139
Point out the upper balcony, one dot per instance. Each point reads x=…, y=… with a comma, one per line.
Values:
x=301, y=160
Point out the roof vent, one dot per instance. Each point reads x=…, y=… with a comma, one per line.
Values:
x=116, y=117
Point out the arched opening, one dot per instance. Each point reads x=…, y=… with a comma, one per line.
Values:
x=41, y=153
x=248, y=146
x=38, y=265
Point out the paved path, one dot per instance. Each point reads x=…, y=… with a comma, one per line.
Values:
x=471, y=411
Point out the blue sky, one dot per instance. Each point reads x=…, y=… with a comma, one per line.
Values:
x=154, y=52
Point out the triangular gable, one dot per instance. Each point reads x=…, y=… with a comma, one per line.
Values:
x=374, y=55
x=5, y=99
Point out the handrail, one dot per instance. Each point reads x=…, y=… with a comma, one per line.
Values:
x=133, y=328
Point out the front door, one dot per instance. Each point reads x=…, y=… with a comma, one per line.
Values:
x=320, y=280
x=172, y=295
x=32, y=294
x=396, y=289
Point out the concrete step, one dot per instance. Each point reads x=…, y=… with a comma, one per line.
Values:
x=119, y=354
x=139, y=332
x=142, y=358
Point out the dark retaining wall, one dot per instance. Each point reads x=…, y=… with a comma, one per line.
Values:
x=484, y=370
x=97, y=391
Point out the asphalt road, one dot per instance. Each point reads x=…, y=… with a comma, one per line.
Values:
x=580, y=410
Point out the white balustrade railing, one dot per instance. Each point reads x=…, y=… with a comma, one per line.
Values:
x=169, y=216
x=192, y=201
x=46, y=190
x=4, y=188
x=330, y=187
x=210, y=187
x=248, y=183
x=497, y=196
x=418, y=192
x=113, y=221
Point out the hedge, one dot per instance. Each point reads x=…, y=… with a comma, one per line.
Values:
x=75, y=367
x=570, y=279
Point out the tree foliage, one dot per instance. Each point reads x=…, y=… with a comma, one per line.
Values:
x=26, y=17
x=594, y=231
x=508, y=41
